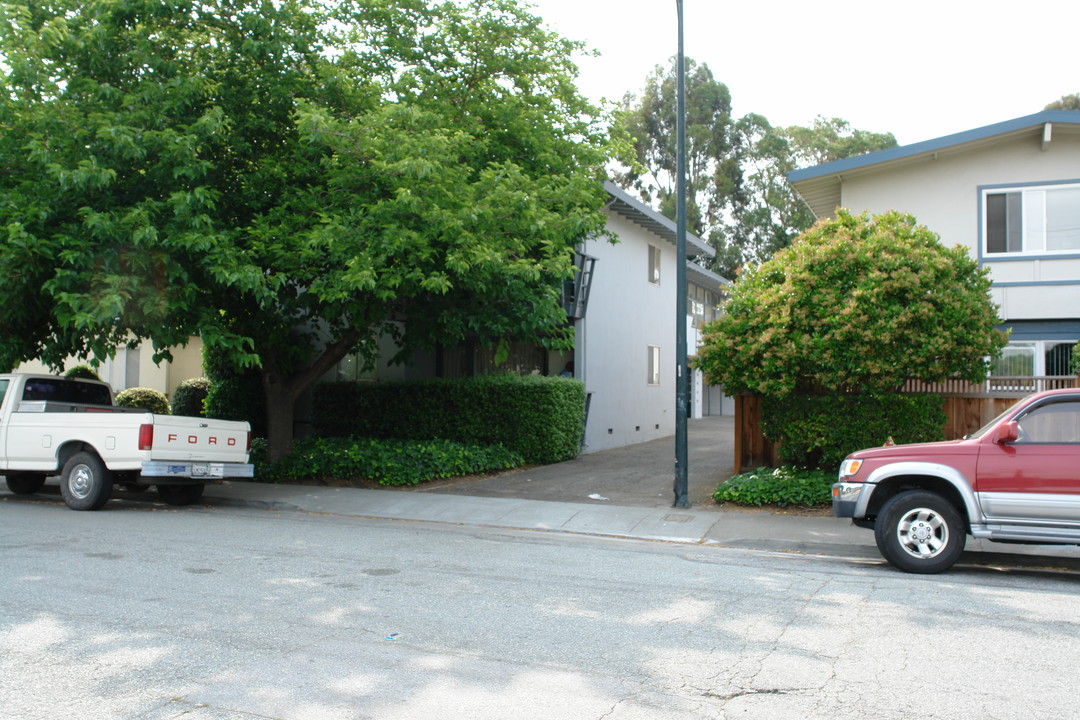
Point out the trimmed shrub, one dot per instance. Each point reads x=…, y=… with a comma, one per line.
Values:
x=820, y=430
x=145, y=398
x=82, y=372
x=235, y=393
x=541, y=418
x=779, y=486
x=189, y=397
x=388, y=462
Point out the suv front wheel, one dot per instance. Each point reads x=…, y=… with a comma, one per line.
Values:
x=919, y=532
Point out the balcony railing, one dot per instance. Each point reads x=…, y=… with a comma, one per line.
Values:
x=997, y=386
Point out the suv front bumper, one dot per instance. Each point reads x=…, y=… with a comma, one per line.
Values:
x=850, y=499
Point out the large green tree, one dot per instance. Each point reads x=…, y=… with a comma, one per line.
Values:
x=738, y=197
x=713, y=176
x=770, y=214
x=856, y=304
x=288, y=179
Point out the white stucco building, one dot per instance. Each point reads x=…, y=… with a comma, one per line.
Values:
x=1010, y=193
x=624, y=348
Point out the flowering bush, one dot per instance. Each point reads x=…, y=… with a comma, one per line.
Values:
x=857, y=303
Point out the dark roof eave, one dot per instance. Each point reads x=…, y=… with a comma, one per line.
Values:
x=642, y=215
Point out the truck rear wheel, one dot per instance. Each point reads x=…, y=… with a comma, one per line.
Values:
x=181, y=494
x=920, y=532
x=85, y=483
x=25, y=483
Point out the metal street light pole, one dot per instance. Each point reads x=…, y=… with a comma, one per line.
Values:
x=682, y=499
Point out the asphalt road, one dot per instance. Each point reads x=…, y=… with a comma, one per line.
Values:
x=149, y=612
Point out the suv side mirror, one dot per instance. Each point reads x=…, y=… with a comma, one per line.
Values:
x=1007, y=433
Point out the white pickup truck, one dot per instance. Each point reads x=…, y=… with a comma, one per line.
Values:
x=52, y=425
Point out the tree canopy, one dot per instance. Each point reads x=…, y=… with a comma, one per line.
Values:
x=738, y=197
x=1065, y=102
x=287, y=179
x=712, y=167
x=858, y=303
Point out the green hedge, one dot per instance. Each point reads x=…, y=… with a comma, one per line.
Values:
x=540, y=418
x=820, y=430
x=388, y=462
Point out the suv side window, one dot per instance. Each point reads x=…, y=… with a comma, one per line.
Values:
x=1052, y=423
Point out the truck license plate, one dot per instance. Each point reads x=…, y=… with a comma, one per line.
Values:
x=206, y=470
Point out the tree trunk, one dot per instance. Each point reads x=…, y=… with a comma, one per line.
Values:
x=280, y=411
x=283, y=391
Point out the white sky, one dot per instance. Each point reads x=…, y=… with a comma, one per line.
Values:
x=919, y=69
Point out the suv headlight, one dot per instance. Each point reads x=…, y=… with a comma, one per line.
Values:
x=850, y=467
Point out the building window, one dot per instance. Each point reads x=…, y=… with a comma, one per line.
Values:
x=1032, y=220
x=701, y=304
x=1034, y=358
x=353, y=368
x=654, y=265
x=654, y=365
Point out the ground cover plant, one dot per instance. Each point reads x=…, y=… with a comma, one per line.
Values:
x=783, y=486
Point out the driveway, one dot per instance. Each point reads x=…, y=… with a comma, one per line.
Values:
x=641, y=475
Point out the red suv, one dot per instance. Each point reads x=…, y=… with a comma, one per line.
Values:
x=1016, y=480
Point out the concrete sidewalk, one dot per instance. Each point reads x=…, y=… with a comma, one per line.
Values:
x=747, y=529
x=622, y=493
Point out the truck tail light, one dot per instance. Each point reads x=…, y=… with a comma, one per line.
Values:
x=146, y=437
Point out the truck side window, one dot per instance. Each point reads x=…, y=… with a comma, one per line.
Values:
x=3, y=390
x=1052, y=423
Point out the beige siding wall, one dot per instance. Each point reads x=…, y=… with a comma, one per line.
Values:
x=944, y=194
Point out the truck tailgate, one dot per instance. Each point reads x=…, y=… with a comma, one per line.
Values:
x=188, y=438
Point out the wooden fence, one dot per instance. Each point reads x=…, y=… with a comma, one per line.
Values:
x=968, y=406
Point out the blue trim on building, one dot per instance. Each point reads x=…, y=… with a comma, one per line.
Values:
x=941, y=143
x=1036, y=283
x=1042, y=329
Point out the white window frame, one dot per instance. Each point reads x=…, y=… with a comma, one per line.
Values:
x=1033, y=221
x=1038, y=350
x=654, y=265
x=653, y=377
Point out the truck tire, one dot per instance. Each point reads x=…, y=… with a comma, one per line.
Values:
x=85, y=483
x=25, y=483
x=181, y=494
x=919, y=531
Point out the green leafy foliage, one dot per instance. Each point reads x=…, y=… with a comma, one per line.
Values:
x=145, y=398
x=82, y=372
x=235, y=392
x=781, y=486
x=388, y=462
x=541, y=418
x=189, y=397
x=858, y=303
x=821, y=430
